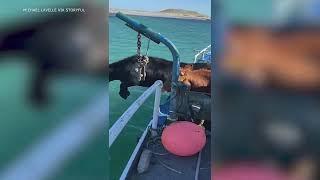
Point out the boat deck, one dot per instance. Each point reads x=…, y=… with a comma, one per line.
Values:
x=164, y=165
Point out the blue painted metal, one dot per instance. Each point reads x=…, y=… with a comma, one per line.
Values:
x=158, y=38
x=164, y=108
x=207, y=57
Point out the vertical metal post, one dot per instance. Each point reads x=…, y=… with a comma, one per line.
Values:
x=156, y=111
x=174, y=81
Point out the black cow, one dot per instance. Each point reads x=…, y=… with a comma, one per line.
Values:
x=126, y=71
x=59, y=43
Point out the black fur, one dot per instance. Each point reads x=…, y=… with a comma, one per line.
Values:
x=157, y=69
x=50, y=43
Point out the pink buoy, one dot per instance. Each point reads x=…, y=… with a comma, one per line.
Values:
x=248, y=171
x=183, y=138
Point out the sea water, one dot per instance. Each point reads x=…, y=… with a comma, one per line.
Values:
x=23, y=125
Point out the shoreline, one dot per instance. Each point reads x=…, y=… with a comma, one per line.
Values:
x=112, y=12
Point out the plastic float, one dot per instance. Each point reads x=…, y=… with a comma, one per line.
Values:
x=183, y=138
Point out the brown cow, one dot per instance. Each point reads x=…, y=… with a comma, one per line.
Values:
x=258, y=56
x=198, y=79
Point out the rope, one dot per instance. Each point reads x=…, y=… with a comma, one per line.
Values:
x=156, y=144
x=168, y=167
x=154, y=141
x=148, y=48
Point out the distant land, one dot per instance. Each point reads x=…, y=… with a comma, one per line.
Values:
x=166, y=13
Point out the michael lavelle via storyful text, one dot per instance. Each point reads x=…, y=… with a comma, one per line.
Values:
x=53, y=10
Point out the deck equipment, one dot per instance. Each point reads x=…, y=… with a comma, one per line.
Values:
x=183, y=138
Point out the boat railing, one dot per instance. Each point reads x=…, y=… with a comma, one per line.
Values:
x=201, y=53
x=118, y=126
x=47, y=155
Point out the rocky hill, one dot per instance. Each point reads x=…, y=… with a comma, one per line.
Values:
x=167, y=13
x=184, y=13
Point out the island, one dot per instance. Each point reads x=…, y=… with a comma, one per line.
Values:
x=166, y=13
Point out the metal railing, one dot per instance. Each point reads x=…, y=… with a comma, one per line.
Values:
x=201, y=53
x=118, y=126
x=44, y=158
x=116, y=129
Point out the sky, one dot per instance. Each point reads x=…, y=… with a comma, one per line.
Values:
x=201, y=6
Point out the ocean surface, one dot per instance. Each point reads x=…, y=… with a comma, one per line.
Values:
x=22, y=125
x=187, y=35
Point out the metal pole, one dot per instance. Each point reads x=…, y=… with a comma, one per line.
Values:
x=174, y=82
x=156, y=111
